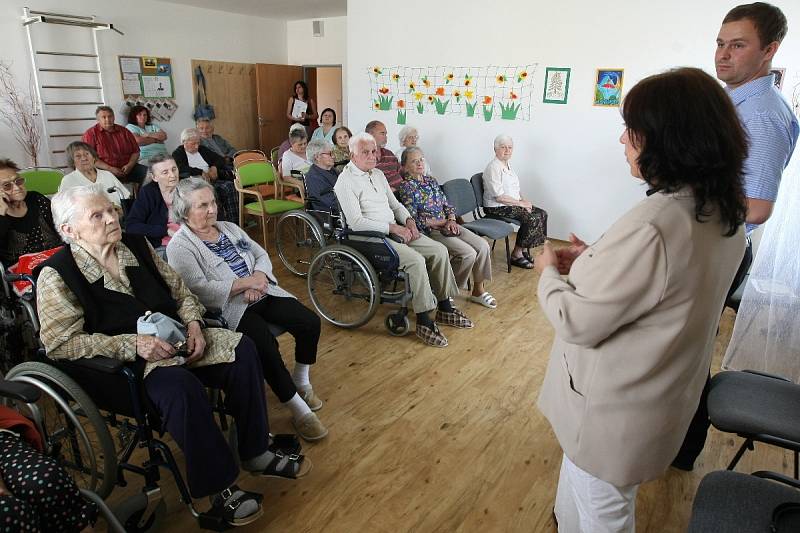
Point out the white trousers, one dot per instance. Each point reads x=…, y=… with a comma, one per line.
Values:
x=586, y=504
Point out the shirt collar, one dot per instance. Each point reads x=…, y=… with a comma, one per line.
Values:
x=751, y=88
x=91, y=267
x=357, y=171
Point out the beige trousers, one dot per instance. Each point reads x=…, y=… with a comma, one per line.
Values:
x=427, y=263
x=469, y=253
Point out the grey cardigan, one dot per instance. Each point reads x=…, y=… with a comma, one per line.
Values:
x=210, y=278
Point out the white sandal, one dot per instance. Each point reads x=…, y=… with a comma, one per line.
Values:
x=485, y=299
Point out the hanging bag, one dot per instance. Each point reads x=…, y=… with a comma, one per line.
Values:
x=202, y=109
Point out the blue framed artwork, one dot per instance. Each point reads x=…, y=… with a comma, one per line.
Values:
x=608, y=87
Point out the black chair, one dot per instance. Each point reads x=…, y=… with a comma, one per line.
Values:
x=743, y=503
x=461, y=196
x=759, y=407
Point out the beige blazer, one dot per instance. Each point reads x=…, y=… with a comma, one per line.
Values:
x=635, y=327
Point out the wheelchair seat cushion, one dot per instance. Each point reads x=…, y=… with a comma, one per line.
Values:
x=741, y=402
x=735, y=502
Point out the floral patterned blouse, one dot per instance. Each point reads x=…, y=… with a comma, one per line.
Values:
x=424, y=199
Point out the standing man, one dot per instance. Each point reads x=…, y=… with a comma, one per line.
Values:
x=387, y=161
x=116, y=147
x=748, y=40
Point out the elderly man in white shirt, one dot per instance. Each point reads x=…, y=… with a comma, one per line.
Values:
x=367, y=203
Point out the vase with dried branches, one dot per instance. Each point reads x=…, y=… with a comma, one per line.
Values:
x=20, y=111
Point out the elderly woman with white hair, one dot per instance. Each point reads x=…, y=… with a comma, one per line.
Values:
x=295, y=157
x=229, y=271
x=196, y=160
x=321, y=178
x=409, y=136
x=502, y=198
x=90, y=296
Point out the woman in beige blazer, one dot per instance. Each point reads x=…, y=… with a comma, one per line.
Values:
x=636, y=318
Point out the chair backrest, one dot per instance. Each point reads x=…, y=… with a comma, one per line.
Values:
x=460, y=194
x=245, y=157
x=477, y=185
x=273, y=156
x=255, y=173
x=43, y=180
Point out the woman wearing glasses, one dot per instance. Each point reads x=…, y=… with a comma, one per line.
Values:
x=26, y=223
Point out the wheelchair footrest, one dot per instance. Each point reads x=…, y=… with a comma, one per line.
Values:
x=213, y=523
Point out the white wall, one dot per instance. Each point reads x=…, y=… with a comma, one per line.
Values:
x=330, y=49
x=151, y=29
x=568, y=156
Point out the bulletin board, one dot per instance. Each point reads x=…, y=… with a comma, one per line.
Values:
x=147, y=81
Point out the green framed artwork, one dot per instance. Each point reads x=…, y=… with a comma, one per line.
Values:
x=556, y=85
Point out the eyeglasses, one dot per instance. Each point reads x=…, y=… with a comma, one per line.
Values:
x=326, y=153
x=9, y=185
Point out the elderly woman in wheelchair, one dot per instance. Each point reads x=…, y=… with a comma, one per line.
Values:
x=229, y=271
x=90, y=296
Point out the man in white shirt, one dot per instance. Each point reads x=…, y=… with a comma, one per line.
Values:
x=367, y=203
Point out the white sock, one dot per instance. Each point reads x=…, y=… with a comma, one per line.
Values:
x=300, y=375
x=298, y=406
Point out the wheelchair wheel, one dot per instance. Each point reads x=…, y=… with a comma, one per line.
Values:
x=74, y=432
x=397, y=324
x=130, y=511
x=299, y=237
x=343, y=286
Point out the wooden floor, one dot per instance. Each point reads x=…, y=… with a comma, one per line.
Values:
x=447, y=440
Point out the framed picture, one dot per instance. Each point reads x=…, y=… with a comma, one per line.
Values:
x=556, y=85
x=779, y=74
x=608, y=87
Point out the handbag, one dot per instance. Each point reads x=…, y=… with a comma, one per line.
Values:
x=165, y=328
x=202, y=109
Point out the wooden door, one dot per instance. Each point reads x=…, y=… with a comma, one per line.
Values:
x=274, y=86
x=231, y=89
x=310, y=75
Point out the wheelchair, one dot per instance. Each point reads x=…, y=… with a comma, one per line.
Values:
x=19, y=324
x=349, y=273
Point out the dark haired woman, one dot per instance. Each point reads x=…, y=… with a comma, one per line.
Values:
x=149, y=137
x=636, y=319
x=327, y=125
x=301, y=108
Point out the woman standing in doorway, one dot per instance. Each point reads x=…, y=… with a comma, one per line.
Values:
x=304, y=116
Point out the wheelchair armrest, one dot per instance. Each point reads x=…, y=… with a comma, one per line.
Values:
x=214, y=319
x=767, y=375
x=9, y=277
x=16, y=390
x=100, y=363
x=374, y=234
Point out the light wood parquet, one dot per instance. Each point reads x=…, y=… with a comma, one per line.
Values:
x=446, y=440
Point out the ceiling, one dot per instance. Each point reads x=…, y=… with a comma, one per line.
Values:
x=274, y=9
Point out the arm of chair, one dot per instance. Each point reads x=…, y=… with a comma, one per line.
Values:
x=103, y=364
x=768, y=375
x=775, y=476
x=17, y=390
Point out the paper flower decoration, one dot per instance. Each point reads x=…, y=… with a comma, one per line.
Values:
x=411, y=86
x=430, y=98
x=457, y=94
x=522, y=75
x=513, y=95
x=418, y=96
x=376, y=105
x=395, y=77
x=425, y=81
x=501, y=78
x=401, y=104
x=449, y=77
x=487, y=100
x=377, y=70
x=440, y=91
x=468, y=94
x=467, y=80
x=384, y=90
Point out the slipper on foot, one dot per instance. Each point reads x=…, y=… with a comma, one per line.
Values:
x=485, y=299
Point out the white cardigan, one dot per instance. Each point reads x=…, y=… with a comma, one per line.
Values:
x=210, y=278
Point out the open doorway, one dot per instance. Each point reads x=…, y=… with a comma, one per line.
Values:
x=325, y=86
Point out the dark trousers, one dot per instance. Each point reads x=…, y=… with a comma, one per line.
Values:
x=695, y=438
x=137, y=174
x=179, y=395
x=299, y=320
x=533, y=224
x=227, y=200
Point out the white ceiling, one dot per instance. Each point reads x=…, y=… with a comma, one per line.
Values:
x=274, y=9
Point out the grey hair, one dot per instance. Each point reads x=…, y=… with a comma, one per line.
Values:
x=182, y=196
x=359, y=138
x=189, y=133
x=502, y=138
x=297, y=135
x=156, y=159
x=78, y=145
x=64, y=205
x=296, y=127
x=316, y=147
x=405, y=132
x=408, y=152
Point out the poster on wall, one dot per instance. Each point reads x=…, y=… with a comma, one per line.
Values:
x=608, y=87
x=483, y=92
x=779, y=73
x=147, y=81
x=556, y=85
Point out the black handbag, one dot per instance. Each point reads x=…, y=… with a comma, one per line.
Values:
x=202, y=109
